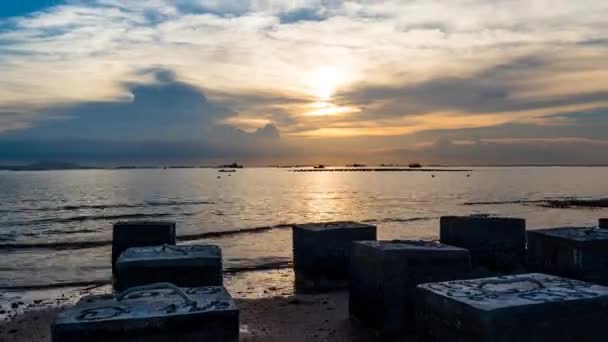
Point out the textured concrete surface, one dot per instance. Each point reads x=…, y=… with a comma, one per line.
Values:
x=321, y=253
x=384, y=275
x=162, y=314
x=526, y=307
x=495, y=243
x=577, y=252
x=140, y=234
x=185, y=266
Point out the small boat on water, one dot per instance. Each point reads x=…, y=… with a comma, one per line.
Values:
x=415, y=165
x=320, y=166
x=356, y=165
x=225, y=170
x=232, y=166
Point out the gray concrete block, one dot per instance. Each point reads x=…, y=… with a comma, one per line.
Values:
x=576, y=252
x=184, y=266
x=526, y=307
x=495, y=243
x=140, y=234
x=603, y=223
x=151, y=314
x=321, y=253
x=384, y=276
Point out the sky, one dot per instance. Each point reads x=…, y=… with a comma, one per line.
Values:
x=294, y=82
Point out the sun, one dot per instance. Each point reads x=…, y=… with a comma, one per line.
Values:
x=323, y=82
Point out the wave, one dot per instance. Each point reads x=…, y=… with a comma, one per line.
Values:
x=167, y=203
x=56, y=246
x=561, y=203
x=176, y=203
x=503, y=202
x=261, y=264
x=70, y=245
x=398, y=219
x=94, y=283
x=258, y=264
x=82, y=218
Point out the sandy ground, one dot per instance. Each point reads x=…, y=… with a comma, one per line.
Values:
x=300, y=318
x=269, y=311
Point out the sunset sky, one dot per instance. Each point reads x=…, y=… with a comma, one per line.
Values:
x=270, y=82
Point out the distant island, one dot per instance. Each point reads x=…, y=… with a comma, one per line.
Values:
x=232, y=166
x=46, y=166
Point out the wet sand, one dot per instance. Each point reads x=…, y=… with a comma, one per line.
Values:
x=269, y=311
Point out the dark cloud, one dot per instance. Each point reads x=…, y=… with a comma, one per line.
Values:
x=164, y=110
x=583, y=124
x=164, y=120
x=488, y=91
x=482, y=152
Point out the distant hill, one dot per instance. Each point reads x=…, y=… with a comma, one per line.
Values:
x=45, y=165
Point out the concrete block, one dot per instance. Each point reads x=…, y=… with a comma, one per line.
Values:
x=603, y=223
x=153, y=313
x=321, y=253
x=140, y=234
x=526, y=307
x=184, y=266
x=580, y=253
x=384, y=276
x=495, y=243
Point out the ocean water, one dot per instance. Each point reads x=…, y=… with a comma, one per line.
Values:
x=55, y=226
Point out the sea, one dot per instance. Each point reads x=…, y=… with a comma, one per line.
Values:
x=56, y=226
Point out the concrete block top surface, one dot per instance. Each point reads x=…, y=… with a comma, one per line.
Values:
x=170, y=253
x=147, y=305
x=416, y=245
x=324, y=226
x=516, y=290
x=578, y=234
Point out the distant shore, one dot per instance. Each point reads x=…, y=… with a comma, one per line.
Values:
x=302, y=167
x=385, y=169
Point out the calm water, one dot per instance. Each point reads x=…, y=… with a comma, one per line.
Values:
x=55, y=226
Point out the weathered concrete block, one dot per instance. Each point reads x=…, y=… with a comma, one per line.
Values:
x=321, y=253
x=140, y=234
x=151, y=314
x=603, y=223
x=184, y=266
x=580, y=253
x=384, y=275
x=526, y=307
x=495, y=243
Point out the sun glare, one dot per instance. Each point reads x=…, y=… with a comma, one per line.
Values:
x=323, y=82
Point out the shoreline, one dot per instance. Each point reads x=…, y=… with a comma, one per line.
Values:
x=269, y=311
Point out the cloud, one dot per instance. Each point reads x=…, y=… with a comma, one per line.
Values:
x=503, y=88
x=389, y=70
x=164, y=109
x=165, y=119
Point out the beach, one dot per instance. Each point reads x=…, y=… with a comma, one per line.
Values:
x=55, y=230
x=269, y=311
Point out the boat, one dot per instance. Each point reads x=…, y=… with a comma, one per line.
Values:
x=320, y=166
x=415, y=165
x=232, y=166
x=225, y=170
x=356, y=165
